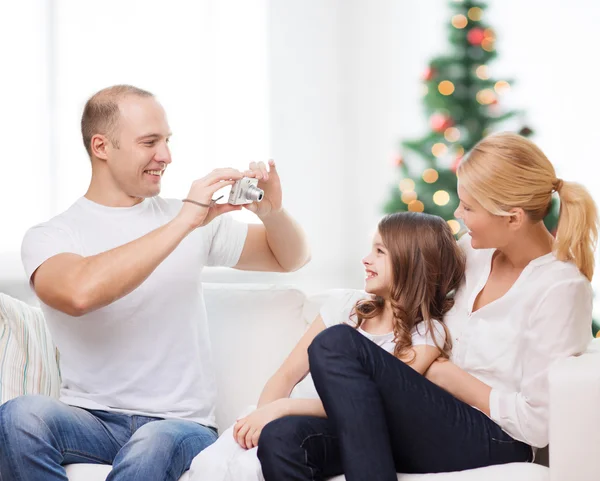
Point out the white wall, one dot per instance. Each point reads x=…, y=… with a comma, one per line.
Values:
x=343, y=90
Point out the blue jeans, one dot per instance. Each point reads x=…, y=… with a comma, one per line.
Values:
x=38, y=435
x=383, y=418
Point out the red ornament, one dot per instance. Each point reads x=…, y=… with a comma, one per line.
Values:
x=456, y=163
x=429, y=74
x=440, y=122
x=399, y=161
x=476, y=36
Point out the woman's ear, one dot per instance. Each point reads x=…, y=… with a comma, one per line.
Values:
x=516, y=218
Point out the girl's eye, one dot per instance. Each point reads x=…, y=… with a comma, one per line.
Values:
x=379, y=251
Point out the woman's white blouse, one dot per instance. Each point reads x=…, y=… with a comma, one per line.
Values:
x=510, y=343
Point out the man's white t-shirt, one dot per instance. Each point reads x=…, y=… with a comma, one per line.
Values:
x=339, y=310
x=149, y=352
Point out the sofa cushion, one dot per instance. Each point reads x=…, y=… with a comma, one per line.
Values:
x=502, y=472
x=28, y=357
x=253, y=328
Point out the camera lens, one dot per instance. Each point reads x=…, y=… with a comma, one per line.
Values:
x=254, y=194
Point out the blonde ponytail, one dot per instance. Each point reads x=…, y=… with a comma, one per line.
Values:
x=505, y=170
x=577, y=232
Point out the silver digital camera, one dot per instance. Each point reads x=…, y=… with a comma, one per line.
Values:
x=245, y=191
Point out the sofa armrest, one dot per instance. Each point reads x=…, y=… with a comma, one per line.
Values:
x=575, y=417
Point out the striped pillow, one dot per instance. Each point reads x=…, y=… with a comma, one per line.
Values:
x=28, y=357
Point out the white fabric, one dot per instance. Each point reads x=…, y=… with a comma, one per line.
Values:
x=226, y=460
x=149, y=352
x=268, y=320
x=503, y=472
x=575, y=417
x=28, y=357
x=510, y=343
x=339, y=309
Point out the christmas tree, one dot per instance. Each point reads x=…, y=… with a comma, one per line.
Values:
x=462, y=102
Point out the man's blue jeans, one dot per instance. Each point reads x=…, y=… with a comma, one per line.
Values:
x=38, y=435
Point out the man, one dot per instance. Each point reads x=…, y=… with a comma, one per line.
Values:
x=118, y=277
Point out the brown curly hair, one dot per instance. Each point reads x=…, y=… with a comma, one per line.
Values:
x=428, y=267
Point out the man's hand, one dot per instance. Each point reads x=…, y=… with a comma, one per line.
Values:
x=247, y=429
x=202, y=191
x=270, y=183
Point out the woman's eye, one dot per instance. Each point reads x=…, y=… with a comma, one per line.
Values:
x=379, y=251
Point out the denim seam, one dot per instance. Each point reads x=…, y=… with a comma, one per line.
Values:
x=307, y=438
x=4, y=443
x=177, y=451
x=86, y=455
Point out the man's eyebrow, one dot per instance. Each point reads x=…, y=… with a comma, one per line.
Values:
x=153, y=136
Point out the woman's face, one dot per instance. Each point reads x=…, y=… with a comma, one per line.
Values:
x=378, y=266
x=487, y=230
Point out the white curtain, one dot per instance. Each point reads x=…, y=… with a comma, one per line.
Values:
x=205, y=60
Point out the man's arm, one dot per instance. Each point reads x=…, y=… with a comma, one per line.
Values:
x=279, y=244
x=77, y=285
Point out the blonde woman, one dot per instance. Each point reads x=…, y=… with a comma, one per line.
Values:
x=526, y=301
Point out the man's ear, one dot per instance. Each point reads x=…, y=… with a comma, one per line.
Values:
x=99, y=145
x=516, y=218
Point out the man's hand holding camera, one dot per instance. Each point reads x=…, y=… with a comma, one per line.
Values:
x=257, y=189
x=270, y=183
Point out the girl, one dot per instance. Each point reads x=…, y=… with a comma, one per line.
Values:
x=413, y=268
x=525, y=302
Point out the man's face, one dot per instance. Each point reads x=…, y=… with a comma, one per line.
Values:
x=141, y=154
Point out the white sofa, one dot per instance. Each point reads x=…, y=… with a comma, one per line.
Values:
x=254, y=327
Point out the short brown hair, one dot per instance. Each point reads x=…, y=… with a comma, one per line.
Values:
x=101, y=113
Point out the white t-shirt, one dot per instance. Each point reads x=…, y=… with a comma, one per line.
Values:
x=338, y=310
x=149, y=352
x=510, y=343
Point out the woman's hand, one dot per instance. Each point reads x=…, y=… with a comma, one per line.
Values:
x=247, y=429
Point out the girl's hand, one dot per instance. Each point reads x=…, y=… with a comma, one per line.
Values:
x=247, y=429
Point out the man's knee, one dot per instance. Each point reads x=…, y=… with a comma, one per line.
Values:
x=27, y=415
x=170, y=438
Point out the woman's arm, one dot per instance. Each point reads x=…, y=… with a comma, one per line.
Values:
x=460, y=384
x=424, y=356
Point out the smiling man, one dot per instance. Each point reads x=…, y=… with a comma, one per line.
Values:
x=118, y=275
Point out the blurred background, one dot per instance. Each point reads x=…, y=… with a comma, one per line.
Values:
x=328, y=88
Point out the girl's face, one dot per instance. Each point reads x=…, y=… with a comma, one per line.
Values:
x=486, y=230
x=378, y=266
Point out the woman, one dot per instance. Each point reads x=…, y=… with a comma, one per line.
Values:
x=413, y=266
x=525, y=302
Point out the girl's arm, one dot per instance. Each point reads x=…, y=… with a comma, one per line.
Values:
x=293, y=369
x=425, y=355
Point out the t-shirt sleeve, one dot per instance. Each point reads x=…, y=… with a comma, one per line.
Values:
x=421, y=334
x=43, y=242
x=227, y=241
x=338, y=308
